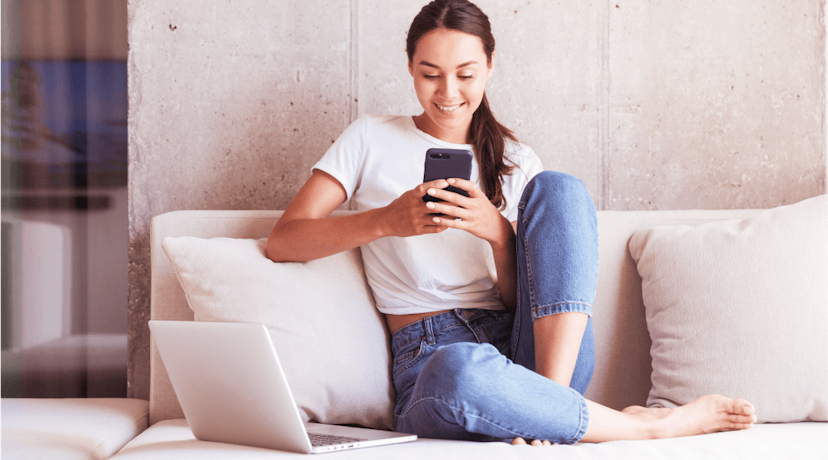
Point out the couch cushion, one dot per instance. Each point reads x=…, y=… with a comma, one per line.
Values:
x=52, y=429
x=740, y=308
x=172, y=439
x=622, y=343
x=331, y=341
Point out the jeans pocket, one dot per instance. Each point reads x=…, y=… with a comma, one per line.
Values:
x=407, y=356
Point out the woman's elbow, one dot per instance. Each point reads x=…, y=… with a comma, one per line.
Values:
x=274, y=244
x=270, y=250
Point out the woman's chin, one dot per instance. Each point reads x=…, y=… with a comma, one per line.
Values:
x=451, y=120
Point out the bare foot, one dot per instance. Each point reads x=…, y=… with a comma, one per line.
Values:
x=521, y=441
x=707, y=414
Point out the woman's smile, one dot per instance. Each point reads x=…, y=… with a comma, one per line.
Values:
x=448, y=108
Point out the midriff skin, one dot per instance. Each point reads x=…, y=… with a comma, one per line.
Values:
x=397, y=322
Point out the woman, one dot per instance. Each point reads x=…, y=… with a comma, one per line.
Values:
x=488, y=304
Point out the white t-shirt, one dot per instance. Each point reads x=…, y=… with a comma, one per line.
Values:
x=377, y=159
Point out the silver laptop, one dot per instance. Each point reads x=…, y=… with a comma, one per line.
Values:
x=232, y=389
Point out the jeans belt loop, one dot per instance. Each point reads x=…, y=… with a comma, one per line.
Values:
x=429, y=330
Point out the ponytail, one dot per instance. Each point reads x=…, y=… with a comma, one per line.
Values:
x=488, y=137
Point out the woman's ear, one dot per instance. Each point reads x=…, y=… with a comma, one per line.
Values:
x=491, y=65
x=410, y=67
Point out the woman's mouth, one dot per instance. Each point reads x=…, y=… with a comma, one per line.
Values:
x=449, y=108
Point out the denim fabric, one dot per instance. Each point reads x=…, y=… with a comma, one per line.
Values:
x=557, y=263
x=469, y=374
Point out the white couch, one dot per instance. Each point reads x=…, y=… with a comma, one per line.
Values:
x=622, y=374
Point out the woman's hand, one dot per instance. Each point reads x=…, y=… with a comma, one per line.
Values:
x=478, y=215
x=408, y=215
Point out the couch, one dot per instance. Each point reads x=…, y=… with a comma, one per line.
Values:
x=622, y=375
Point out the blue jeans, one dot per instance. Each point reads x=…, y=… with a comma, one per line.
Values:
x=469, y=374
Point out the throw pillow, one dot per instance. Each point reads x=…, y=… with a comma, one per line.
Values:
x=740, y=308
x=331, y=341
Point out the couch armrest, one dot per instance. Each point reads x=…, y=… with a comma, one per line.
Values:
x=94, y=428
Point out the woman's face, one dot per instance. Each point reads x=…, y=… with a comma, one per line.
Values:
x=450, y=71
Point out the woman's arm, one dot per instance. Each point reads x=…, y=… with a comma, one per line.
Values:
x=506, y=265
x=304, y=232
x=480, y=218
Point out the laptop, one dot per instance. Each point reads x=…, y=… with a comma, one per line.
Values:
x=232, y=389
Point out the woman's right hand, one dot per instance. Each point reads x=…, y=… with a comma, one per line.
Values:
x=408, y=214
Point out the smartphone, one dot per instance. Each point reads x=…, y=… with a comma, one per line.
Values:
x=447, y=164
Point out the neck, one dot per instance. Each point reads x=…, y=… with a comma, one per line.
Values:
x=459, y=135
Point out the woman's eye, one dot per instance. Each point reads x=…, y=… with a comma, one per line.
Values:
x=466, y=77
x=431, y=77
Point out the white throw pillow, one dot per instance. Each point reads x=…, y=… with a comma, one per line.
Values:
x=332, y=342
x=740, y=308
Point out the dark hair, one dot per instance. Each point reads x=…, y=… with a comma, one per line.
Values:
x=488, y=137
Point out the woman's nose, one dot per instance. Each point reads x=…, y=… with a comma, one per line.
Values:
x=449, y=88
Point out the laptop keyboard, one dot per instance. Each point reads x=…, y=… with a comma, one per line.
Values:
x=327, y=439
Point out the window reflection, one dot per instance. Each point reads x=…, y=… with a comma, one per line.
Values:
x=64, y=200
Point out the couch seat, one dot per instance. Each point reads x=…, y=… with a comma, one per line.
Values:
x=172, y=439
x=82, y=428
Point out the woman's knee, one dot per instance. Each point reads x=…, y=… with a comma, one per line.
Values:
x=553, y=185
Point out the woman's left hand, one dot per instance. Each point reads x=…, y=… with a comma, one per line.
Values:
x=477, y=214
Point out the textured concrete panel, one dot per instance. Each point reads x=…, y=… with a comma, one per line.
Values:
x=715, y=104
x=231, y=102
x=547, y=81
x=384, y=84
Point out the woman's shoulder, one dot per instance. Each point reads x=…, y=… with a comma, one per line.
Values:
x=519, y=150
x=371, y=125
x=525, y=161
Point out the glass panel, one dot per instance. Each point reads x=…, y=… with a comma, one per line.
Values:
x=64, y=200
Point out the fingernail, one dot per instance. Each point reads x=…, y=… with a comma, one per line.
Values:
x=430, y=205
x=431, y=191
x=451, y=181
x=436, y=220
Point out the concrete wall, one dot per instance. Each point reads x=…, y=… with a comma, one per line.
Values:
x=654, y=105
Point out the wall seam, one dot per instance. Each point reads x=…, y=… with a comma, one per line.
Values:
x=353, y=63
x=604, y=112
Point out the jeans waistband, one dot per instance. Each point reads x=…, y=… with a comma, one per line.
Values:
x=429, y=326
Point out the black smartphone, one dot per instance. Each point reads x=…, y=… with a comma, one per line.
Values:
x=447, y=164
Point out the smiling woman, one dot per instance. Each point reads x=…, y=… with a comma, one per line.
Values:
x=489, y=305
x=450, y=89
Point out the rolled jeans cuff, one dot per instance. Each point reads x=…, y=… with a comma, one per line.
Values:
x=561, y=307
x=584, y=419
